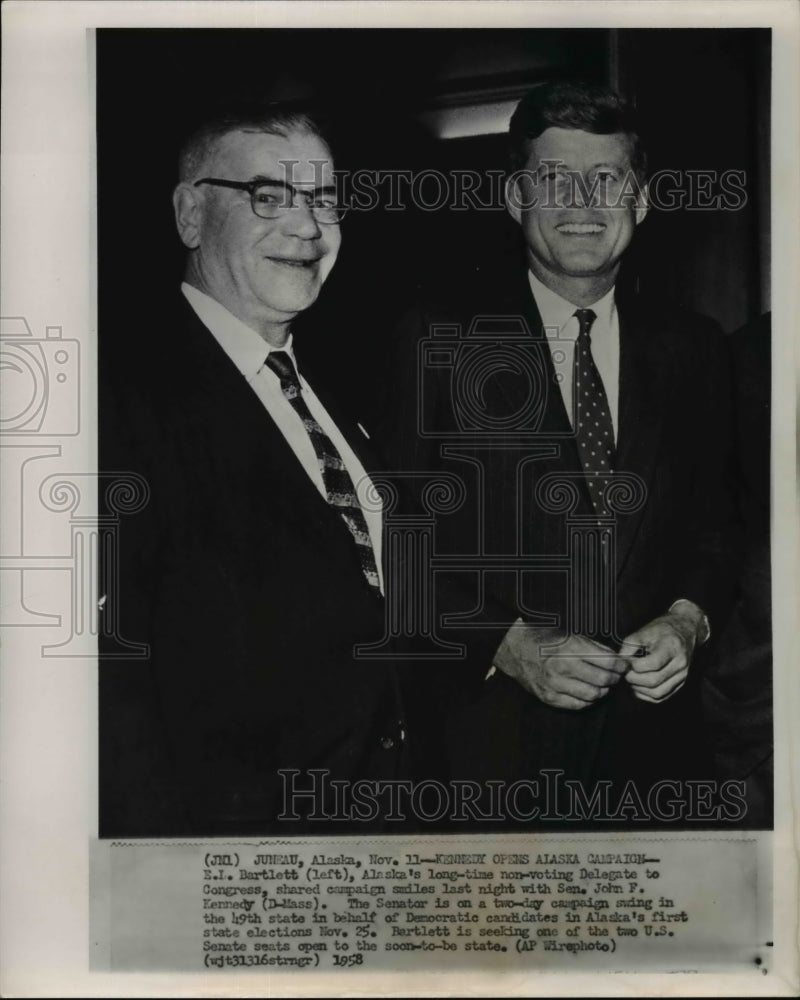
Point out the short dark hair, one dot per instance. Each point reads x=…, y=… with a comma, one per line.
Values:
x=272, y=119
x=576, y=105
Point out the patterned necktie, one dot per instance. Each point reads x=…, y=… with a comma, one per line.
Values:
x=339, y=488
x=595, y=431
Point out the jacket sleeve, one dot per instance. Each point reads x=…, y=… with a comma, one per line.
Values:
x=417, y=405
x=710, y=576
x=137, y=793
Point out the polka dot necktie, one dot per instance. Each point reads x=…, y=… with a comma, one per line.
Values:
x=339, y=489
x=595, y=431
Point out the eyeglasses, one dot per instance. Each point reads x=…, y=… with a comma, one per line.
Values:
x=272, y=199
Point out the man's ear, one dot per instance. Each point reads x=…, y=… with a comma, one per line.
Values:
x=642, y=203
x=511, y=196
x=188, y=214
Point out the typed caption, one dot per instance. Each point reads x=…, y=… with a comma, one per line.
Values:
x=657, y=903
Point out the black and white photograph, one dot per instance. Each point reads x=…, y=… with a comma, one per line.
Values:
x=413, y=574
x=407, y=537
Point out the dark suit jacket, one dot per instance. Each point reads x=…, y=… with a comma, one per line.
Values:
x=247, y=587
x=679, y=543
x=737, y=693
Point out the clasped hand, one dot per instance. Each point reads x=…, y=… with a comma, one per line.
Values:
x=669, y=643
x=576, y=672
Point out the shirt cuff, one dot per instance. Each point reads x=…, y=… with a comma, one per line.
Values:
x=704, y=628
x=493, y=669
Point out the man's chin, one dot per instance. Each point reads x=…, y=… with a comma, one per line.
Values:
x=293, y=294
x=585, y=265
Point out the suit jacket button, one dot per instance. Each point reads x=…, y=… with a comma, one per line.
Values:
x=387, y=742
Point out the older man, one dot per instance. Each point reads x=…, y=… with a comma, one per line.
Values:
x=256, y=566
x=589, y=429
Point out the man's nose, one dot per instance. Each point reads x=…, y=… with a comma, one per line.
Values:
x=299, y=220
x=578, y=194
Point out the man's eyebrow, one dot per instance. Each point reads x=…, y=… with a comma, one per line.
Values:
x=285, y=186
x=561, y=165
x=549, y=166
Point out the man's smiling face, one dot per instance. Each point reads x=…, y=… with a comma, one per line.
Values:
x=264, y=271
x=567, y=238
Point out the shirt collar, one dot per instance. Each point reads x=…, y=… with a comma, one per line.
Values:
x=556, y=311
x=246, y=348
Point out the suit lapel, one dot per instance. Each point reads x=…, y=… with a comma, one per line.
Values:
x=556, y=425
x=554, y=419
x=355, y=437
x=251, y=440
x=645, y=391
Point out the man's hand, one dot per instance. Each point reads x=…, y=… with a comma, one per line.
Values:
x=669, y=642
x=577, y=675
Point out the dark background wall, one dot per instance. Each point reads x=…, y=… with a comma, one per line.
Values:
x=703, y=95
x=704, y=99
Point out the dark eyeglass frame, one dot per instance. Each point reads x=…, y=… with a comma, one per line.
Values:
x=289, y=189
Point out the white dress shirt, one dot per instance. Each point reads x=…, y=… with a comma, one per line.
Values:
x=561, y=329
x=249, y=351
